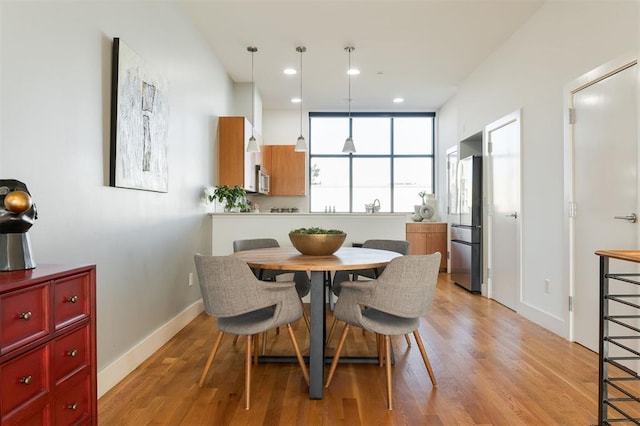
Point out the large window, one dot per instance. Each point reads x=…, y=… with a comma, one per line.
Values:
x=393, y=162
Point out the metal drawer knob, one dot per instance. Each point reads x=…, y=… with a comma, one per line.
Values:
x=26, y=316
x=72, y=299
x=26, y=380
x=73, y=353
x=73, y=406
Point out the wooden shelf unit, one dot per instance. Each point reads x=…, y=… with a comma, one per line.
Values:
x=427, y=238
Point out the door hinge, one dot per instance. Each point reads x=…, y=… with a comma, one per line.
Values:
x=489, y=273
x=490, y=147
x=572, y=209
x=572, y=116
x=570, y=303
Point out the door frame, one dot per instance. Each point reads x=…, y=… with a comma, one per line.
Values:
x=568, y=258
x=488, y=204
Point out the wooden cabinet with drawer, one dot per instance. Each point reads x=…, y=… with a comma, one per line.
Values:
x=427, y=238
x=48, y=373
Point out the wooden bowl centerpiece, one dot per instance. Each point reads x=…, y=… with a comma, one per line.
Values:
x=317, y=241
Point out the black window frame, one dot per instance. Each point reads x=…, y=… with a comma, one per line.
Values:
x=391, y=156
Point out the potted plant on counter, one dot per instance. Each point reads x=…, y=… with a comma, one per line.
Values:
x=317, y=241
x=233, y=197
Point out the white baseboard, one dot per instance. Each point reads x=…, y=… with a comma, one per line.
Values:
x=109, y=376
x=544, y=319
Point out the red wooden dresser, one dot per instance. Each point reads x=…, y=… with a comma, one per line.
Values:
x=48, y=346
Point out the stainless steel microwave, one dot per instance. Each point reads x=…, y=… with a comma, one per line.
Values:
x=262, y=181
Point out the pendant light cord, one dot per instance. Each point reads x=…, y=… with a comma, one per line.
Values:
x=349, y=100
x=301, y=49
x=253, y=95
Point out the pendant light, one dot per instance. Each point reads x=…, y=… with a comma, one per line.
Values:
x=349, y=147
x=301, y=144
x=252, y=146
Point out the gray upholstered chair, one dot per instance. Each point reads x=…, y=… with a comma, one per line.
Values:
x=245, y=306
x=398, y=246
x=390, y=305
x=303, y=284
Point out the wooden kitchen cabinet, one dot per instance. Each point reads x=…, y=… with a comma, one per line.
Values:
x=286, y=169
x=236, y=166
x=48, y=371
x=427, y=238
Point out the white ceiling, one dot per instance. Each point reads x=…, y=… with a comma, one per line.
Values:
x=419, y=50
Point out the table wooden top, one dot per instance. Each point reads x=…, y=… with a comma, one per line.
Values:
x=630, y=255
x=288, y=258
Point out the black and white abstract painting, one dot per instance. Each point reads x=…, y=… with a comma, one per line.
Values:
x=139, y=123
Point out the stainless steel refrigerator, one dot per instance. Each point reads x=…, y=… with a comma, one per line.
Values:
x=466, y=225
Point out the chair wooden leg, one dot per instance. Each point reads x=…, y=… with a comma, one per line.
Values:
x=425, y=358
x=406, y=337
x=336, y=356
x=235, y=339
x=212, y=355
x=247, y=374
x=387, y=351
x=331, y=330
x=303, y=367
x=379, y=342
x=306, y=318
x=256, y=346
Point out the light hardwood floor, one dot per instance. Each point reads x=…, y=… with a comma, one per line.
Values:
x=493, y=368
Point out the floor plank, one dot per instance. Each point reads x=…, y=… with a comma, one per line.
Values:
x=493, y=368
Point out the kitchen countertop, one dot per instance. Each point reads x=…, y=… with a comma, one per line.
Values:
x=359, y=227
x=311, y=214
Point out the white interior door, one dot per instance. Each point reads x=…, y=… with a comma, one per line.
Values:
x=605, y=174
x=503, y=158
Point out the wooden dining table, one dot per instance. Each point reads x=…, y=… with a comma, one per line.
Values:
x=290, y=259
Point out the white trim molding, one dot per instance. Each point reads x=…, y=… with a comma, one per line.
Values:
x=113, y=373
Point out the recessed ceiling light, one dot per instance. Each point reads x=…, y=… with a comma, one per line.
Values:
x=398, y=100
x=296, y=100
x=290, y=71
x=353, y=71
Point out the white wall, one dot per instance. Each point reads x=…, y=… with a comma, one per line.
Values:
x=55, y=100
x=561, y=42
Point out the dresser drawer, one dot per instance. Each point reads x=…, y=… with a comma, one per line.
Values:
x=71, y=299
x=36, y=414
x=70, y=353
x=24, y=315
x=72, y=401
x=24, y=379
